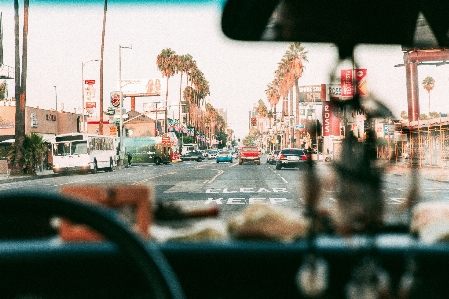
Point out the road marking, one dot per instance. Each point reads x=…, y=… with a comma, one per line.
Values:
x=217, y=175
x=247, y=190
x=147, y=179
x=396, y=200
x=244, y=201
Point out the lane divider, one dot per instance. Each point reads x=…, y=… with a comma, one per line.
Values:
x=147, y=179
x=216, y=176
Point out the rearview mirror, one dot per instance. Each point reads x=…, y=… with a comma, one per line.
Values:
x=345, y=23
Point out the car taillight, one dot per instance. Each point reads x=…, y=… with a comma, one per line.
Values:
x=304, y=158
x=281, y=157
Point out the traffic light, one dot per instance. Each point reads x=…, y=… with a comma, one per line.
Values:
x=253, y=121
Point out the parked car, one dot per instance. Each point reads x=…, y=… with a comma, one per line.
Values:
x=192, y=156
x=224, y=156
x=290, y=158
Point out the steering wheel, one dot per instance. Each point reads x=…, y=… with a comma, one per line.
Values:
x=149, y=259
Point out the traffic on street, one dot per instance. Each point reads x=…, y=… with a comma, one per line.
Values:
x=192, y=185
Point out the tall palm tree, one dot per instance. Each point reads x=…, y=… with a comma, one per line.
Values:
x=167, y=62
x=428, y=84
x=3, y=85
x=20, y=86
x=188, y=96
x=103, y=32
x=273, y=96
x=183, y=67
x=262, y=110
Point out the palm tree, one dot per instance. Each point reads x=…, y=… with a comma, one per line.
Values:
x=167, y=62
x=188, y=96
x=105, y=8
x=273, y=96
x=261, y=109
x=20, y=82
x=3, y=85
x=428, y=84
x=296, y=55
x=32, y=150
x=184, y=65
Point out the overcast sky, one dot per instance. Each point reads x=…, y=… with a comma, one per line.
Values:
x=62, y=37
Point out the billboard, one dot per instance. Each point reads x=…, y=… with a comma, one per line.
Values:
x=142, y=87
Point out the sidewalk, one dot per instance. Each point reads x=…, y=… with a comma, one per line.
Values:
x=433, y=173
x=4, y=178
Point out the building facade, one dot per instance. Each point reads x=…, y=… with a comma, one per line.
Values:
x=46, y=123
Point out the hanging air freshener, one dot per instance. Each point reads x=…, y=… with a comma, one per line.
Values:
x=312, y=277
x=369, y=281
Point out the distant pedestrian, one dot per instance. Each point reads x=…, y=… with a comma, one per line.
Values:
x=129, y=159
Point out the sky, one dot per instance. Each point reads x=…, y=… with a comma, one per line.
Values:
x=63, y=37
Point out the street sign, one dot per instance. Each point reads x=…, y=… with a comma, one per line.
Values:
x=89, y=82
x=165, y=140
x=91, y=105
x=115, y=98
x=299, y=127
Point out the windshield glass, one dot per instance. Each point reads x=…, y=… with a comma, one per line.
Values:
x=372, y=116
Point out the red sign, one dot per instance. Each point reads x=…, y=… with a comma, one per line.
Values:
x=89, y=82
x=91, y=104
x=347, y=89
x=115, y=99
x=331, y=119
x=165, y=140
x=360, y=82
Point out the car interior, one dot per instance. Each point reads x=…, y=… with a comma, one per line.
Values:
x=362, y=258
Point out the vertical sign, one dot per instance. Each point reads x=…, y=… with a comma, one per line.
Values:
x=360, y=82
x=331, y=119
x=347, y=90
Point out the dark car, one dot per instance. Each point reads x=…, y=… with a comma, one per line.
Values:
x=192, y=156
x=272, y=156
x=290, y=158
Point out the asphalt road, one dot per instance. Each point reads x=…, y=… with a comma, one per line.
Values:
x=232, y=187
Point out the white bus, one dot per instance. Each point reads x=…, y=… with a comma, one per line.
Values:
x=78, y=152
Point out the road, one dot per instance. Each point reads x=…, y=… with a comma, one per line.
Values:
x=232, y=187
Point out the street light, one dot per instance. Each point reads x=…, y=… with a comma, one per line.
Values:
x=56, y=95
x=121, y=98
x=82, y=89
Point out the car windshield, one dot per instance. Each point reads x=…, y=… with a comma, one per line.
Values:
x=150, y=83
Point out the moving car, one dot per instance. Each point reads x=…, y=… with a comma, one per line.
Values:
x=192, y=156
x=249, y=154
x=212, y=154
x=272, y=156
x=291, y=158
x=224, y=156
x=361, y=255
